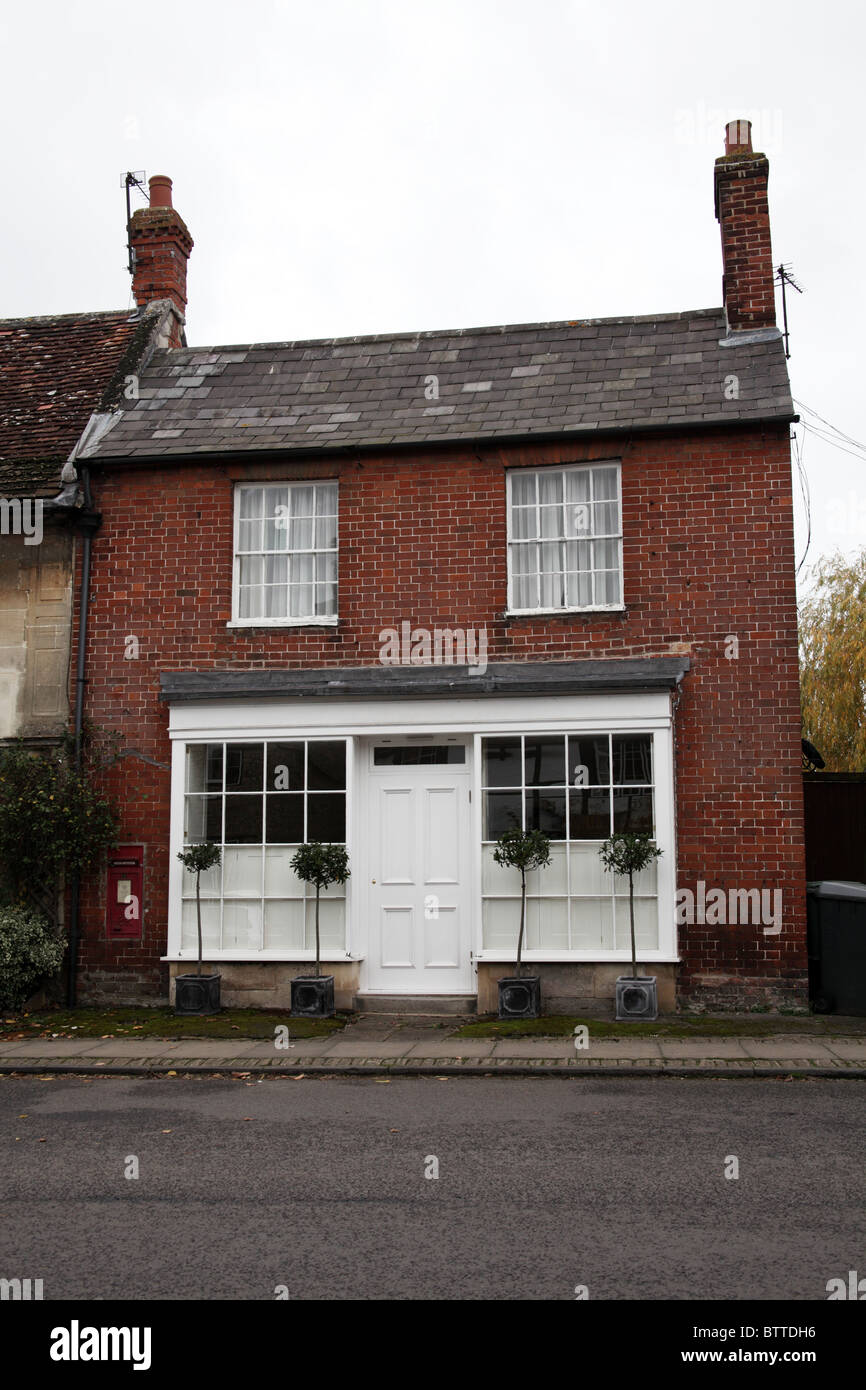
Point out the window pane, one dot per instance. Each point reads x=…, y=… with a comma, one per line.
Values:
x=544, y=761
x=502, y=763
x=588, y=760
x=242, y=926
x=605, y=555
x=590, y=815
x=577, y=485
x=276, y=601
x=284, y=926
x=250, y=603
x=326, y=600
x=326, y=766
x=545, y=810
x=285, y=818
x=204, y=767
x=502, y=811
x=603, y=482
x=242, y=872
x=251, y=501
x=285, y=767
x=249, y=535
x=244, y=820
x=523, y=488
x=551, y=521
x=326, y=532
x=301, y=534
x=280, y=878
x=251, y=569
x=633, y=812
x=244, y=767
x=524, y=523
x=607, y=588
x=276, y=501
x=591, y=924
x=525, y=590
x=326, y=817
x=276, y=569
x=276, y=533
x=549, y=487
x=420, y=755
x=579, y=590
x=646, y=925
x=302, y=501
x=552, y=590
x=203, y=819
x=326, y=499
x=301, y=601
x=605, y=519
x=326, y=569
x=632, y=758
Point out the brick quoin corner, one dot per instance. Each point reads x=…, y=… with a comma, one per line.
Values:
x=707, y=554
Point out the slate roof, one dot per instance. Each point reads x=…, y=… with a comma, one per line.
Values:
x=428, y=682
x=55, y=371
x=580, y=376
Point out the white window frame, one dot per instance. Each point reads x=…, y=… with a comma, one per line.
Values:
x=511, y=473
x=321, y=620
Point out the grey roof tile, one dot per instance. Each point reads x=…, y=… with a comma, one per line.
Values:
x=492, y=382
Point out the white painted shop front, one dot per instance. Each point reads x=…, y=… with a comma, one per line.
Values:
x=418, y=789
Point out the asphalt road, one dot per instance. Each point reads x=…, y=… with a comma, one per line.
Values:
x=319, y=1185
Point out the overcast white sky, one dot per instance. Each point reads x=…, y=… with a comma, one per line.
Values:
x=364, y=166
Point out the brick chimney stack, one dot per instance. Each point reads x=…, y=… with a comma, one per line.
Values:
x=161, y=245
x=743, y=212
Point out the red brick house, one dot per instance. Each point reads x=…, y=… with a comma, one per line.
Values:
x=401, y=592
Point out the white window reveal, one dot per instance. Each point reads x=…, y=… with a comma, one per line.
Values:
x=285, y=565
x=564, y=539
x=259, y=802
x=578, y=789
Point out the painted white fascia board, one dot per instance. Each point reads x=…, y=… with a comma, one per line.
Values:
x=303, y=718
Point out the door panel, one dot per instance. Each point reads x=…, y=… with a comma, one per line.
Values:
x=419, y=870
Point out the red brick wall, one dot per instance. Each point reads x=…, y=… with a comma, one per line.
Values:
x=708, y=552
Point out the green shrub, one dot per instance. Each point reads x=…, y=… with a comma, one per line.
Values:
x=30, y=950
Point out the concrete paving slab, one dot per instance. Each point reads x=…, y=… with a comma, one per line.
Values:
x=701, y=1047
x=51, y=1047
x=124, y=1047
x=523, y=1048
x=634, y=1049
x=852, y=1049
x=785, y=1048
x=453, y=1047
x=365, y=1048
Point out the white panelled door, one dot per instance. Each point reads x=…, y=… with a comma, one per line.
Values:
x=419, y=869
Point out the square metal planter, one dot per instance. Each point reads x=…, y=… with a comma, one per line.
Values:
x=197, y=994
x=520, y=996
x=636, y=998
x=313, y=996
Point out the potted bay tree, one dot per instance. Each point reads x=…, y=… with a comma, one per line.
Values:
x=636, y=995
x=198, y=994
x=520, y=996
x=322, y=865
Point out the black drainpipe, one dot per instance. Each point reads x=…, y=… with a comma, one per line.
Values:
x=86, y=522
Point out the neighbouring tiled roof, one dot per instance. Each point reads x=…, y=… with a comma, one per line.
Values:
x=428, y=682
x=54, y=372
x=579, y=377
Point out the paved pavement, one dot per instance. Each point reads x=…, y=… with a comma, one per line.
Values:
x=327, y=1188
x=377, y=1044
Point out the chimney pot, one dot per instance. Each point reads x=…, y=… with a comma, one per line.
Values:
x=738, y=137
x=160, y=191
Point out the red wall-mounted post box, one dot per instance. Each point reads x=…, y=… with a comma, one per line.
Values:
x=125, y=891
